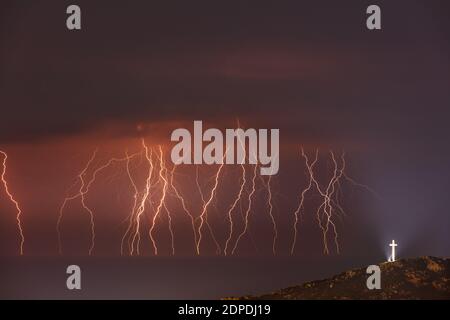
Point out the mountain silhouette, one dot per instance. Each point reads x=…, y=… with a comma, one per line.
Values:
x=414, y=278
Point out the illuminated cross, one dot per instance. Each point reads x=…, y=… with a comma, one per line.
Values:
x=392, y=245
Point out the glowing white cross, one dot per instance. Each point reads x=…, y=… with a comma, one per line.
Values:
x=392, y=245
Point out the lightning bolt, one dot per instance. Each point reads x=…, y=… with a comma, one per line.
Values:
x=183, y=202
x=363, y=186
x=268, y=187
x=81, y=194
x=238, y=196
x=303, y=194
x=141, y=208
x=327, y=203
x=14, y=201
x=204, y=213
x=161, y=205
x=169, y=215
x=249, y=208
x=325, y=209
x=272, y=218
x=172, y=235
x=131, y=217
x=330, y=206
x=233, y=206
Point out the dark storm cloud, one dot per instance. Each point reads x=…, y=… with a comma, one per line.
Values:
x=287, y=64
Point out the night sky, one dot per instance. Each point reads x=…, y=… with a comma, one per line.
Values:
x=141, y=69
